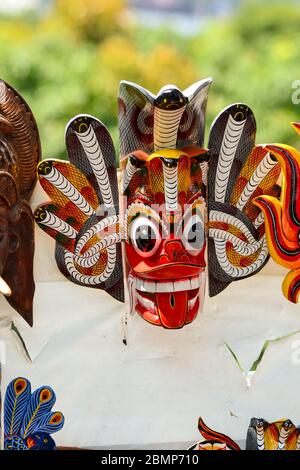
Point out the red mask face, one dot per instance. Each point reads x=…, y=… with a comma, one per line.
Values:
x=165, y=234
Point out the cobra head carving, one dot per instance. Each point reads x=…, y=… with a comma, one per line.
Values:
x=19, y=154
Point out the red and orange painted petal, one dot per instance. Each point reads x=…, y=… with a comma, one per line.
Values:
x=291, y=285
x=283, y=251
x=212, y=435
x=289, y=160
x=271, y=435
x=143, y=156
x=194, y=151
x=291, y=442
x=296, y=126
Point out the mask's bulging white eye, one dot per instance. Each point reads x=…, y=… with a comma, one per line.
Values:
x=193, y=234
x=144, y=235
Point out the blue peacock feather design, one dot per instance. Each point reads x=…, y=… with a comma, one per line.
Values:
x=28, y=419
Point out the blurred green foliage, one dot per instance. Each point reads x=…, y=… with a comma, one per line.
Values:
x=71, y=59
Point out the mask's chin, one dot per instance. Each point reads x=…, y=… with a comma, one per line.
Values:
x=171, y=304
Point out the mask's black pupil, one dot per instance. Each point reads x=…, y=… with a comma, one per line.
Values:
x=145, y=238
x=194, y=233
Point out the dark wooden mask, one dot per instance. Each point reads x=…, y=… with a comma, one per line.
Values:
x=20, y=153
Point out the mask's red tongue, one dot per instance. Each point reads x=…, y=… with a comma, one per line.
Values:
x=172, y=308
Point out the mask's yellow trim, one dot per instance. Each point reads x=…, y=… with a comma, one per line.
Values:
x=167, y=153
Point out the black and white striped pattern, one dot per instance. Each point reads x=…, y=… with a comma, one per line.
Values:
x=220, y=238
x=260, y=437
x=59, y=181
x=166, y=124
x=204, y=170
x=110, y=221
x=230, y=142
x=128, y=173
x=84, y=194
x=69, y=259
x=171, y=186
x=241, y=247
x=92, y=256
x=102, y=245
x=218, y=216
x=283, y=435
x=93, y=152
x=234, y=271
x=259, y=174
x=259, y=220
x=133, y=97
x=59, y=225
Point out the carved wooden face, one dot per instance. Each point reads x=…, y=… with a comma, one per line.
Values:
x=8, y=197
x=19, y=154
x=16, y=253
x=165, y=237
x=4, y=234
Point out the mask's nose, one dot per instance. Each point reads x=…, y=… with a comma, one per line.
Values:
x=174, y=251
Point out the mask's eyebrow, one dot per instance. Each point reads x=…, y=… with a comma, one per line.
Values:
x=143, y=209
x=196, y=204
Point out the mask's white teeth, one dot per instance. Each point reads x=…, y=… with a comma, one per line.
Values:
x=167, y=286
x=195, y=282
x=192, y=302
x=147, y=303
x=149, y=286
x=183, y=284
x=4, y=288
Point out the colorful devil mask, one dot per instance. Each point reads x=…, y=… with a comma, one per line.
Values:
x=165, y=235
x=166, y=181
x=19, y=154
x=164, y=184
